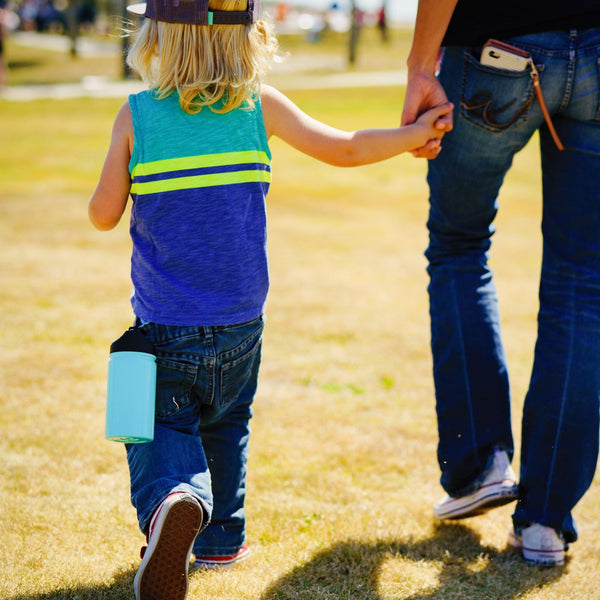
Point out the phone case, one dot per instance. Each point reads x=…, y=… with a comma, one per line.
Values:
x=504, y=56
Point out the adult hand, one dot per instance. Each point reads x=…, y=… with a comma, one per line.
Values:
x=423, y=92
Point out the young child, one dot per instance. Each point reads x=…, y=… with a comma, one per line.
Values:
x=193, y=154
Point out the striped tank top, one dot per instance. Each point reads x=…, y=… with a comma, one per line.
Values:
x=198, y=219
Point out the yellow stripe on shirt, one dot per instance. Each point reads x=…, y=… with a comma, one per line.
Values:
x=199, y=181
x=200, y=161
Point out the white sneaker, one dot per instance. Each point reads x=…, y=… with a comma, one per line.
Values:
x=540, y=545
x=163, y=573
x=498, y=487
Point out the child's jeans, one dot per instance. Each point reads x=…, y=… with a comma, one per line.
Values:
x=207, y=379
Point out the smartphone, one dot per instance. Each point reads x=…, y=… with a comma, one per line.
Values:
x=504, y=56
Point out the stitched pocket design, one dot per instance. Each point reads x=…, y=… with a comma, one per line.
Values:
x=495, y=99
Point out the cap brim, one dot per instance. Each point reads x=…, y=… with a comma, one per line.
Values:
x=137, y=9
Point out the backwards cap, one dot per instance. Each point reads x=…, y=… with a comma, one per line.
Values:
x=194, y=12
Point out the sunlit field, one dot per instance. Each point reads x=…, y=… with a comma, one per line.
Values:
x=343, y=471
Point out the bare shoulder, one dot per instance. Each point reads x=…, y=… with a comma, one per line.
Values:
x=271, y=98
x=269, y=103
x=123, y=119
x=267, y=92
x=123, y=126
x=278, y=110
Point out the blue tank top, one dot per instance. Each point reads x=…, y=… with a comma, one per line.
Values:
x=198, y=219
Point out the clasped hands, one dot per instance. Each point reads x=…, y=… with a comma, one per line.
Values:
x=424, y=92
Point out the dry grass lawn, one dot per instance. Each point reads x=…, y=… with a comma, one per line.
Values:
x=343, y=472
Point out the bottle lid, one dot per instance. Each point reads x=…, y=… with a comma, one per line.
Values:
x=132, y=340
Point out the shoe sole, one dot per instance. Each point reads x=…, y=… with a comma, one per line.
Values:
x=163, y=573
x=486, y=498
x=543, y=558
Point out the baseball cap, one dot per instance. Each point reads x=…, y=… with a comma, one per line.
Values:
x=194, y=12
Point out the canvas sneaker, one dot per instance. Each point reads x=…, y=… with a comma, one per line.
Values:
x=215, y=562
x=540, y=545
x=163, y=573
x=498, y=487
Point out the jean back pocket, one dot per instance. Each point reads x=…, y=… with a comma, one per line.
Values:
x=238, y=376
x=495, y=99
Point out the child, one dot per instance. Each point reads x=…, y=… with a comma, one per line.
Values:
x=193, y=154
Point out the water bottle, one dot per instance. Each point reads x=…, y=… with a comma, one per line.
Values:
x=131, y=392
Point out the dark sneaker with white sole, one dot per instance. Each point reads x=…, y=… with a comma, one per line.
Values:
x=163, y=573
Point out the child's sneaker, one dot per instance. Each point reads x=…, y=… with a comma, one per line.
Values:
x=540, y=545
x=163, y=573
x=498, y=487
x=214, y=562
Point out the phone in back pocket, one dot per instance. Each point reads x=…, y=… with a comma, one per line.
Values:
x=504, y=56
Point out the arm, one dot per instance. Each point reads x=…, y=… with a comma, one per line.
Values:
x=342, y=148
x=423, y=89
x=108, y=202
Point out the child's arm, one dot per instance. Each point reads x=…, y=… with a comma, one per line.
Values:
x=108, y=202
x=342, y=148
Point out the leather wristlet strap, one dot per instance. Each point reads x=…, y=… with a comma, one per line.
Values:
x=540, y=98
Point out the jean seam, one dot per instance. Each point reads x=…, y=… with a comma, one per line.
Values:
x=465, y=372
x=570, y=74
x=598, y=72
x=562, y=409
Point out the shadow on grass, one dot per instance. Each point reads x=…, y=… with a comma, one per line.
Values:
x=352, y=569
x=120, y=588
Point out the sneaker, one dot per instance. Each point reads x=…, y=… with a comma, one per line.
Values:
x=214, y=562
x=498, y=487
x=540, y=545
x=163, y=573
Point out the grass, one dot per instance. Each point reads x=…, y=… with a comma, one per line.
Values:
x=342, y=469
x=29, y=65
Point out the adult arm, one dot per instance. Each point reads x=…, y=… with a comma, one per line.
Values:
x=423, y=90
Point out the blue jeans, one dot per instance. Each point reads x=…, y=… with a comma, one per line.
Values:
x=496, y=115
x=206, y=381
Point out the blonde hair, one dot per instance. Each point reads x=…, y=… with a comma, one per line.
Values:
x=219, y=66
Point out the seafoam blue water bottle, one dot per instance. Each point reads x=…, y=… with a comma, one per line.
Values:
x=131, y=392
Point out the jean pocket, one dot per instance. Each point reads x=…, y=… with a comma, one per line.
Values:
x=495, y=99
x=175, y=380
x=239, y=375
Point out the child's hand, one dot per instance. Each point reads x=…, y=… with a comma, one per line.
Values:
x=429, y=151
x=438, y=121
x=435, y=118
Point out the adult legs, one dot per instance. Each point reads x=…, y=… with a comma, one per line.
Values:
x=560, y=419
x=469, y=363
